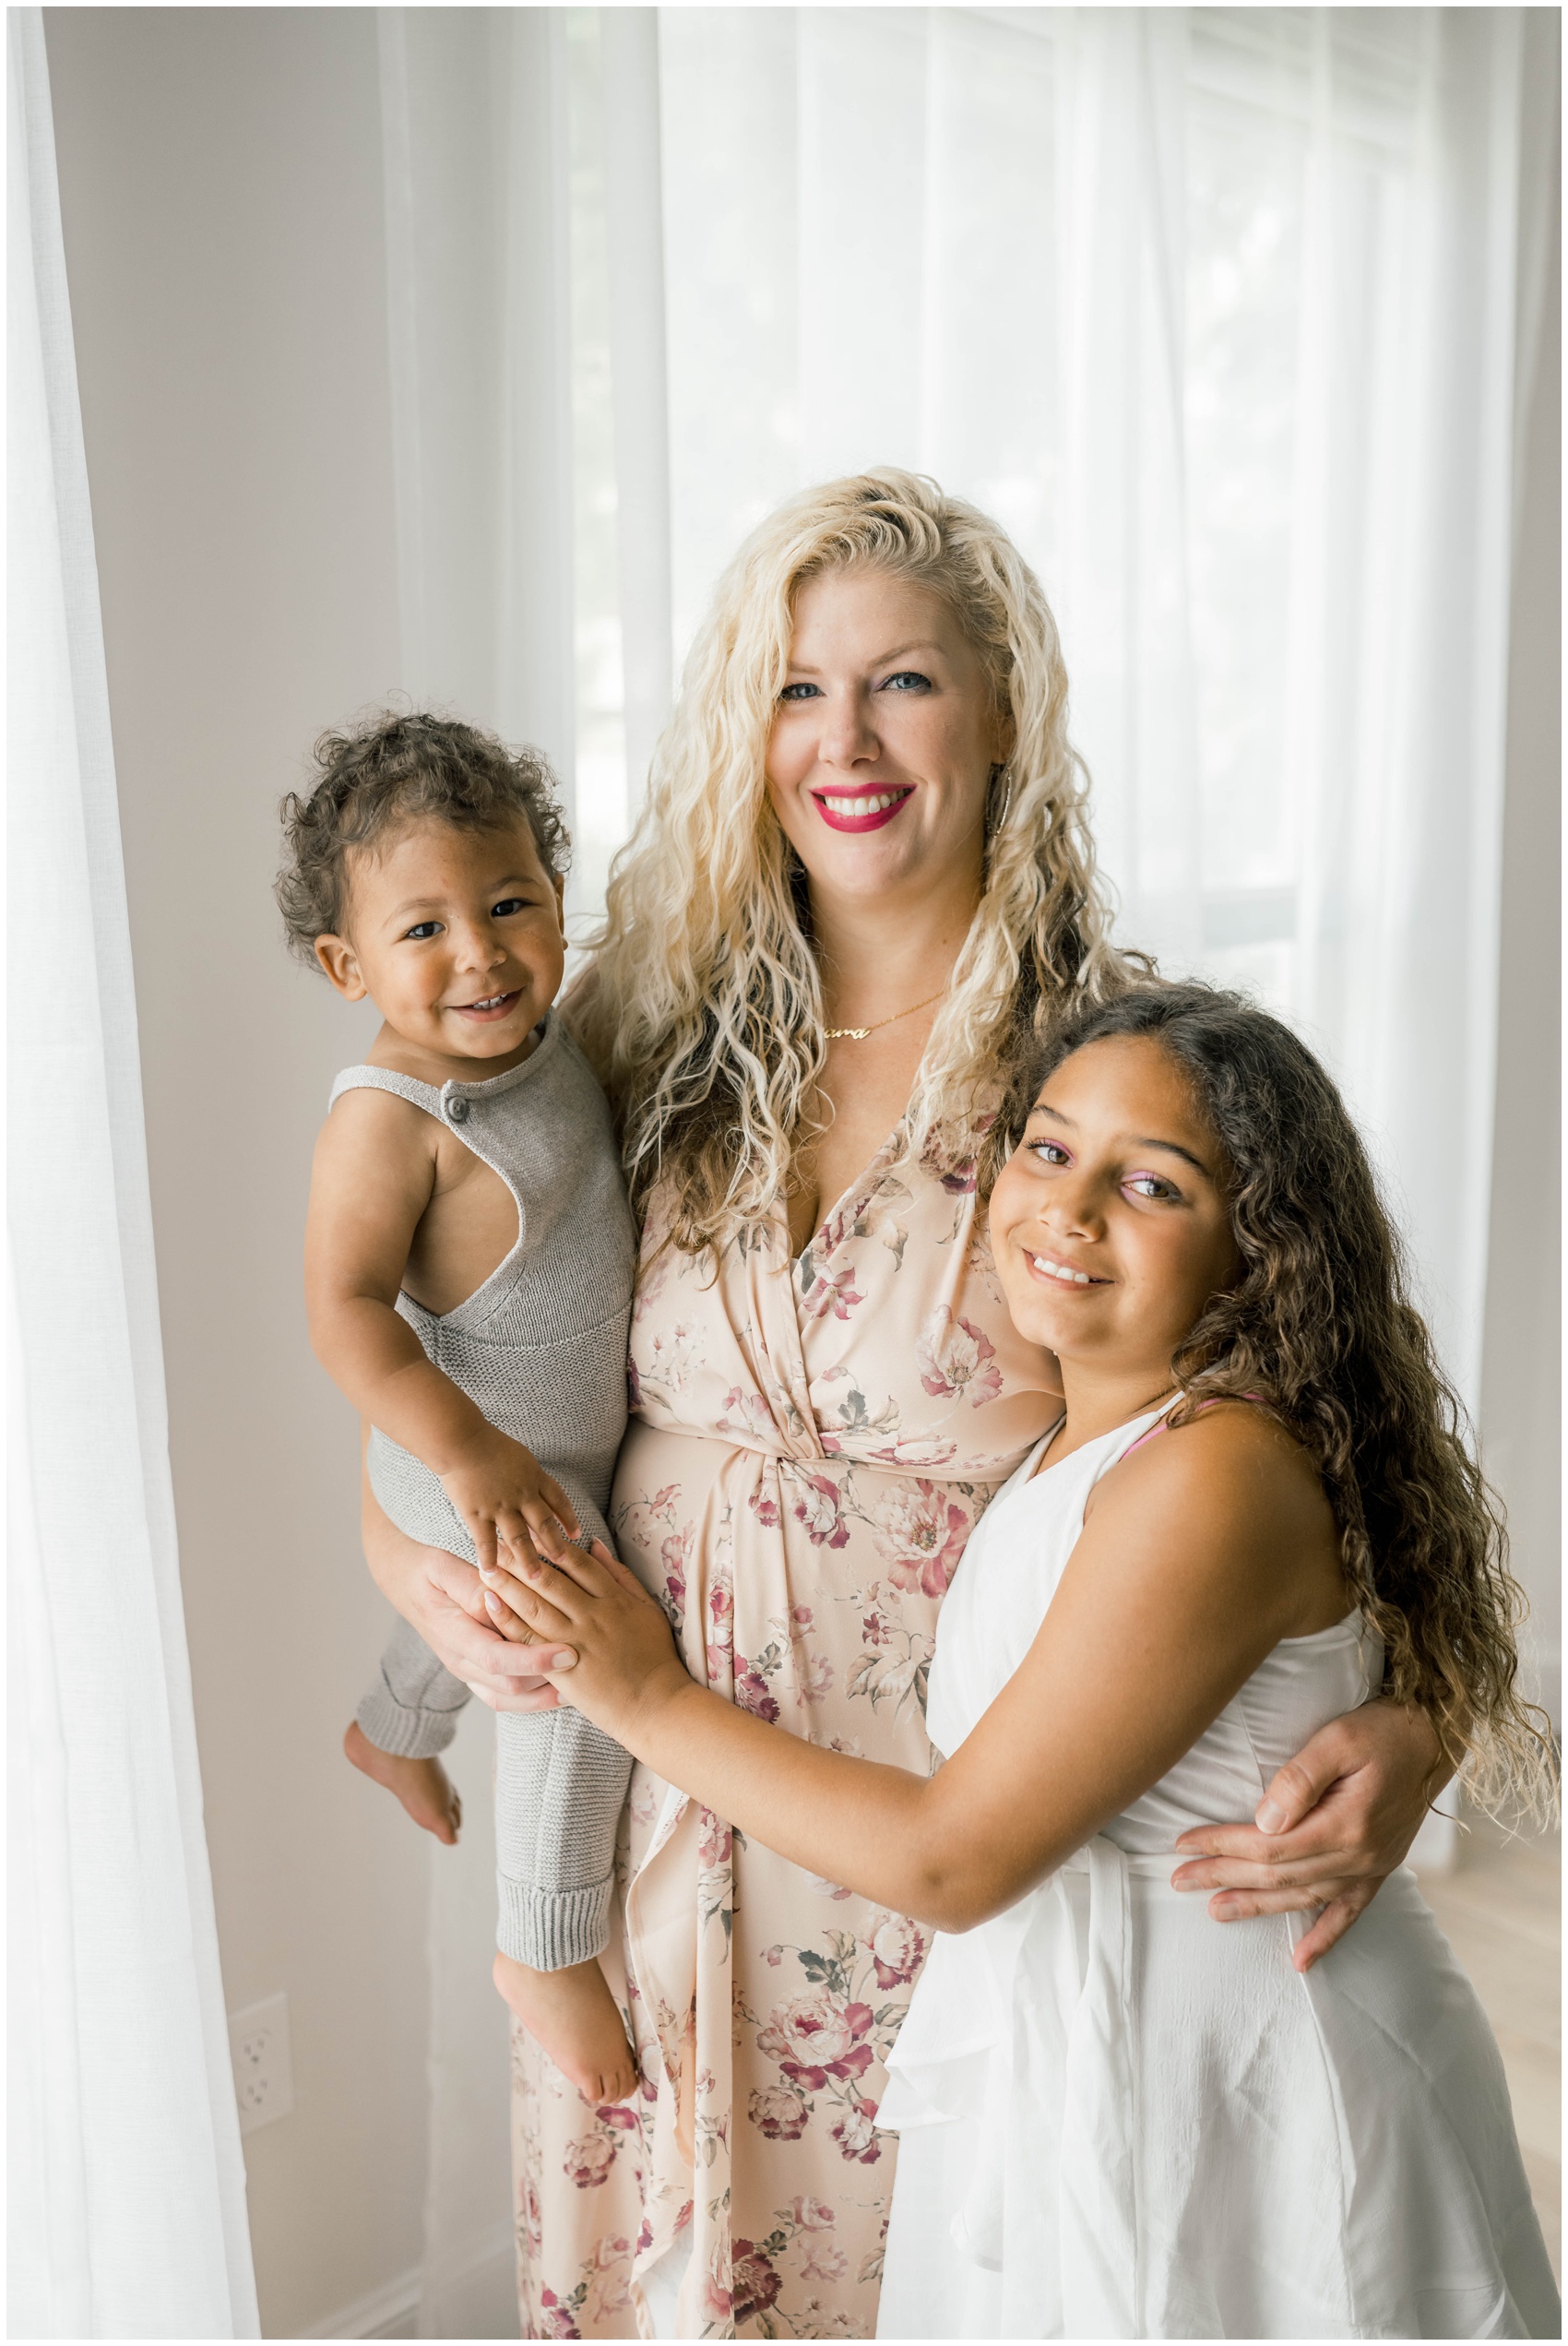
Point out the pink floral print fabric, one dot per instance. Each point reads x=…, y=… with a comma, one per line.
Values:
x=813, y=1442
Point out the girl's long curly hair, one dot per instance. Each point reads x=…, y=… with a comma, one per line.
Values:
x=702, y=1009
x=1321, y=1329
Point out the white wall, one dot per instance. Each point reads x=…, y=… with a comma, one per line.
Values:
x=220, y=180
x=1521, y=1367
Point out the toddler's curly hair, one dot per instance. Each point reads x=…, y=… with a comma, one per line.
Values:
x=396, y=769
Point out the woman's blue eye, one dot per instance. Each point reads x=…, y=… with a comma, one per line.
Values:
x=421, y=929
x=908, y=680
x=507, y=905
x=798, y=692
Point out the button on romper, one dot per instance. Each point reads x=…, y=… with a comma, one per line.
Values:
x=541, y=1348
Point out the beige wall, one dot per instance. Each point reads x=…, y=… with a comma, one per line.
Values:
x=220, y=179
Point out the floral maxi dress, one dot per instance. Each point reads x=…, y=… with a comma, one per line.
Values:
x=812, y=1444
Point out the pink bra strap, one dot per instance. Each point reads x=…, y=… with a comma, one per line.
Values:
x=1164, y=1428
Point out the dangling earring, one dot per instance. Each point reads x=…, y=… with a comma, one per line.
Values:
x=995, y=817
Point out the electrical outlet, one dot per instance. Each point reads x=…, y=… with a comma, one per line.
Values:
x=264, y=2078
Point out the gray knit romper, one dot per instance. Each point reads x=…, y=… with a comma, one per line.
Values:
x=541, y=1347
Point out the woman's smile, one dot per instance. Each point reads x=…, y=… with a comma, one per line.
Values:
x=862, y=810
x=885, y=725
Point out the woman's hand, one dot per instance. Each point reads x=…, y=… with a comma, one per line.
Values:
x=624, y=1659
x=1331, y=1826
x=443, y=1598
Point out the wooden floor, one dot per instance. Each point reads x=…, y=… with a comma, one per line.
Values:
x=1500, y=1910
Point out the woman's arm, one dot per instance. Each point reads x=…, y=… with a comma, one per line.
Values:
x=1331, y=1826
x=442, y=1597
x=1173, y=1595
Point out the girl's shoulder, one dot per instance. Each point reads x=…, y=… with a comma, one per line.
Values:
x=1234, y=1483
x=1230, y=1443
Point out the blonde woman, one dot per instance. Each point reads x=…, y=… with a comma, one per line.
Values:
x=861, y=891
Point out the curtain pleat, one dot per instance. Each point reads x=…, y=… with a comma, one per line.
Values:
x=634, y=215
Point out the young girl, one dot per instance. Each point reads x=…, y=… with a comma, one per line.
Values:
x=1118, y=2119
x=469, y=1273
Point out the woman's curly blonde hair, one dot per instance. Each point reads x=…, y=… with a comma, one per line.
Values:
x=1321, y=1329
x=702, y=1008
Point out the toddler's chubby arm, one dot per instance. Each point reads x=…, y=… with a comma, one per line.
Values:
x=373, y=1177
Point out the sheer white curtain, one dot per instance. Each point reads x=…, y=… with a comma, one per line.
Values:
x=127, y=2209
x=479, y=275
x=1217, y=310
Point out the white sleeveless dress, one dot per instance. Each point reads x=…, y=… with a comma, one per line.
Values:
x=1118, y=2118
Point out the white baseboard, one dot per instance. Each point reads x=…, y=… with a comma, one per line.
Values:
x=477, y=2287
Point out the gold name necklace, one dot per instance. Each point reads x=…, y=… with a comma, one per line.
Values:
x=859, y=1034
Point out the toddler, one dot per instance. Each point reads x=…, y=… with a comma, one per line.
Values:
x=468, y=1263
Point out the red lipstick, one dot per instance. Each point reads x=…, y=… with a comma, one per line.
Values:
x=881, y=802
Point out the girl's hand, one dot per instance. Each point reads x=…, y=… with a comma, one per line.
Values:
x=621, y=1654
x=443, y=1598
x=1331, y=1826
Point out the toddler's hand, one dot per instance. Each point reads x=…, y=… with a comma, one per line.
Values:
x=505, y=1497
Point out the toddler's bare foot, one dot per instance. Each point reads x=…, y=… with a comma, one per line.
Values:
x=572, y=2014
x=423, y=1785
